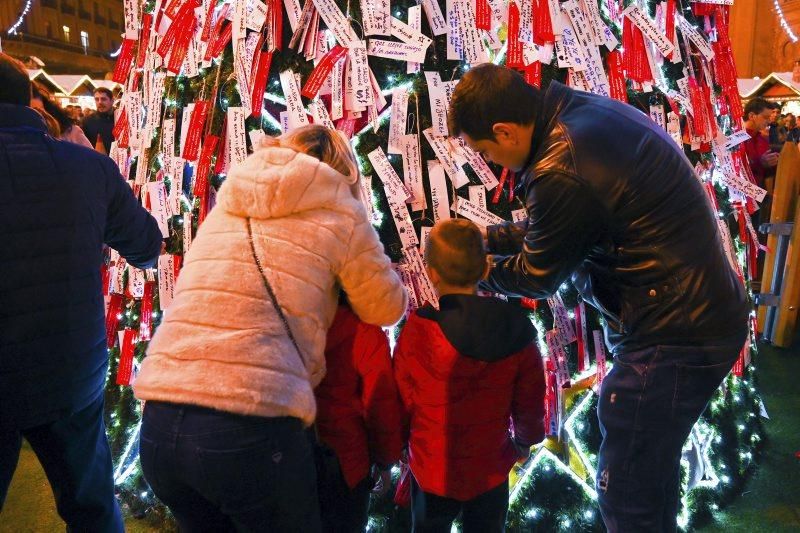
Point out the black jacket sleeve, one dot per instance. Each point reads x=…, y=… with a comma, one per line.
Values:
x=506, y=238
x=130, y=229
x=565, y=219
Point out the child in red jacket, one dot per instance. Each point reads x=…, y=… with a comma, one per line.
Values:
x=472, y=382
x=359, y=417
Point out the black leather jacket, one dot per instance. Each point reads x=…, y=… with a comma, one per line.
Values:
x=614, y=203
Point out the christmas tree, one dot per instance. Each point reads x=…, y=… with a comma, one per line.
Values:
x=206, y=79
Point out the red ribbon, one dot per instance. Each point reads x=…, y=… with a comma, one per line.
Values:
x=115, y=305
x=533, y=74
x=483, y=15
x=196, y=122
x=144, y=39
x=499, y=189
x=204, y=166
x=260, y=81
x=146, y=312
x=542, y=25
x=322, y=71
x=125, y=368
x=124, y=61
x=514, y=53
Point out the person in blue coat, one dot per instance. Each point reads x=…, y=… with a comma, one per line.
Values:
x=59, y=203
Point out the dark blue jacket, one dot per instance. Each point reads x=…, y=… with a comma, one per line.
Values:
x=59, y=202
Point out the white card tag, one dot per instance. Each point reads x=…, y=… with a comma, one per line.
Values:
x=412, y=171
x=295, y=111
x=650, y=29
x=699, y=41
x=393, y=185
x=236, y=134
x=477, y=195
x=469, y=210
x=438, y=185
x=166, y=280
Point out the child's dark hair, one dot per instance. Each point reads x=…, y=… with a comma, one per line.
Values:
x=456, y=251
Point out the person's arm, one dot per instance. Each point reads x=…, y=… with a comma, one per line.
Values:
x=373, y=288
x=565, y=219
x=527, y=407
x=383, y=412
x=506, y=238
x=129, y=228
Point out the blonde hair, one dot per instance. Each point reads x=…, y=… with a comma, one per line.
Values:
x=329, y=146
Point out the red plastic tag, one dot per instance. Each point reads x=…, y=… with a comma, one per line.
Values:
x=514, y=54
x=322, y=71
x=125, y=368
x=124, y=61
x=483, y=15
x=196, y=122
x=260, y=82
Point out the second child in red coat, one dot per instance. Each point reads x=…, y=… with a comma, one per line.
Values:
x=359, y=417
x=472, y=382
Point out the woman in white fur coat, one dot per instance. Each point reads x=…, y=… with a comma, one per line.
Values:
x=228, y=395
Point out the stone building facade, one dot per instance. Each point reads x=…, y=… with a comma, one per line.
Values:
x=70, y=36
x=760, y=44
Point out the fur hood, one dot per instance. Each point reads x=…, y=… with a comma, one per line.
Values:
x=277, y=182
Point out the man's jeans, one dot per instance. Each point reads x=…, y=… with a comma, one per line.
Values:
x=75, y=456
x=648, y=404
x=220, y=471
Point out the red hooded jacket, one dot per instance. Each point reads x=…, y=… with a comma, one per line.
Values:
x=359, y=414
x=469, y=375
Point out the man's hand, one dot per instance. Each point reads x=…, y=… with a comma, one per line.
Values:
x=769, y=159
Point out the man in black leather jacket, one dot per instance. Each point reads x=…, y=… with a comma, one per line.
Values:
x=614, y=204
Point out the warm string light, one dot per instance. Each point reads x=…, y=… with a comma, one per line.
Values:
x=784, y=24
x=13, y=29
x=115, y=54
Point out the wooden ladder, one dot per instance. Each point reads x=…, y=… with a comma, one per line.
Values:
x=780, y=297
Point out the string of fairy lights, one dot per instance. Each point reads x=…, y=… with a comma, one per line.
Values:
x=783, y=23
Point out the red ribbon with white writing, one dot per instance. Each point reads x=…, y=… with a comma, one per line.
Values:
x=616, y=78
x=204, y=166
x=322, y=71
x=483, y=15
x=514, y=53
x=113, y=314
x=144, y=39
x=499, y=189
x=146, y=312
x=580, y=323
x=196, y=122
x=125, y=368
x=260, y=81
x=533, y=74
x=542, y=24
x=124, y=61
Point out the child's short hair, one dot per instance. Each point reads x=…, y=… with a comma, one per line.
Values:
x=457, y=252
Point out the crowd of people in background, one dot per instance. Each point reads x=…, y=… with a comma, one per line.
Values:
x=88, y=127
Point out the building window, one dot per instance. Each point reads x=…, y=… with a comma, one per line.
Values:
x=48, y=30
x=99, y=42
x=66, y=33
x=84, y=40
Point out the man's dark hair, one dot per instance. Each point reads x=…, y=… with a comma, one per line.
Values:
x=488, y=94
x=456, y=251
x=757, y=106
x=15, y=86
x=106, y=91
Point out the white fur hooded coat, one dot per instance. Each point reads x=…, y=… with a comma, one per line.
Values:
x=221, y=343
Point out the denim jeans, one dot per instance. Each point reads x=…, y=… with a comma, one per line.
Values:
x=75, y=456
x=219, y=471
x=648, y=404
x=485, y=513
